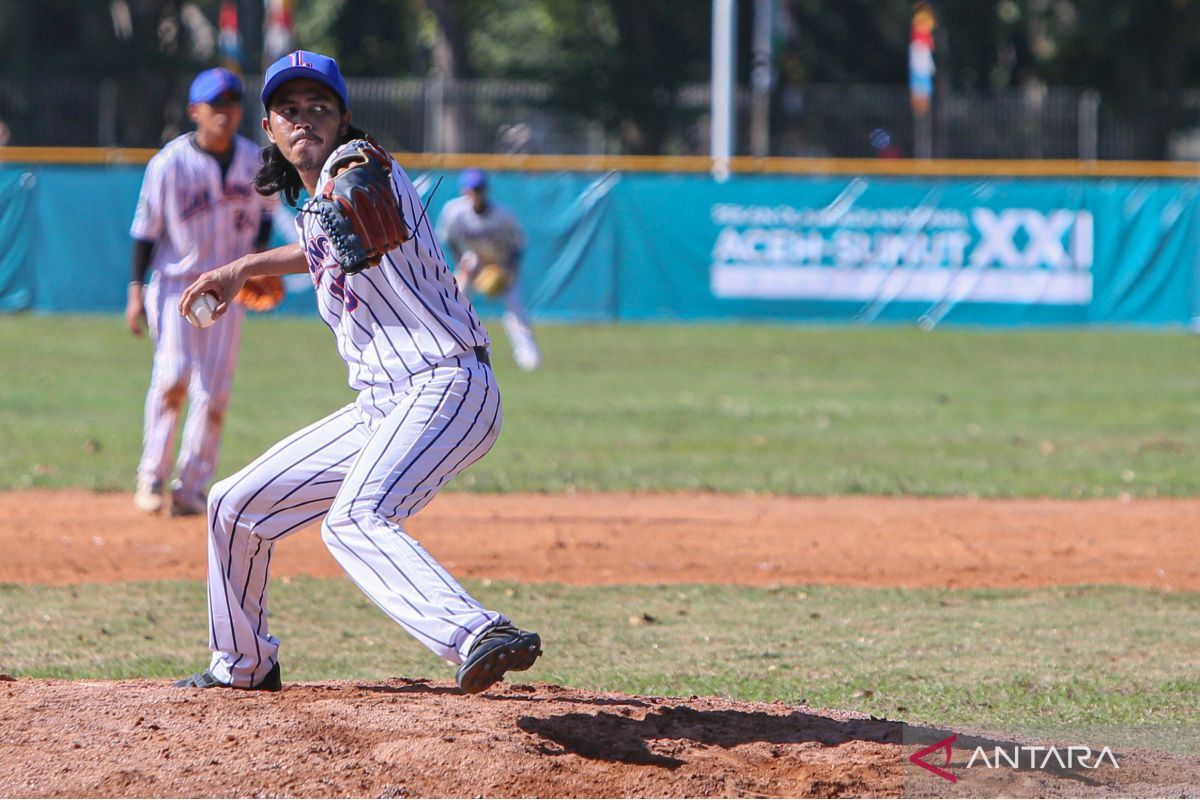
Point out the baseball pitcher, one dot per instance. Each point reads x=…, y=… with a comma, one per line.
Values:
x=427, y=404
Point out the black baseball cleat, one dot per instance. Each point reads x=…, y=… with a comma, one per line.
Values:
x=206, y=680
x=185, y=504
x=503, y=648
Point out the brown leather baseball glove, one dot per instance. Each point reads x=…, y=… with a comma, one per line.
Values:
x=358, y=208
x=261, y=294
x=493, y=279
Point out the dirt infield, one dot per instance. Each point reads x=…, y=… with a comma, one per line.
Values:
x=413, y=738
x=63, y=537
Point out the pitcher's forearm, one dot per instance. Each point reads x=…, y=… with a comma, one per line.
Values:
x=286, y=260
x=223, y=283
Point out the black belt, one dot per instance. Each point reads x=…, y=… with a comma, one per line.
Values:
x=481, y=355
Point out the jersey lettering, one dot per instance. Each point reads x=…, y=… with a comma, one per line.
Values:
x=339, y=289
x=194, y=204
x=318, y=254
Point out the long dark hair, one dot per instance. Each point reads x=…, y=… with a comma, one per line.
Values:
x=276, y=173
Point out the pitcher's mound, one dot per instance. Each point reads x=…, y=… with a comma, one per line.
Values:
x=409, y=738
x=416, y=738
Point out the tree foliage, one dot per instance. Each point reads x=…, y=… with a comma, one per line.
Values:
x=622, y=63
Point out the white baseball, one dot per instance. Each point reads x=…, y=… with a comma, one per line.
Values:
x=201, y=312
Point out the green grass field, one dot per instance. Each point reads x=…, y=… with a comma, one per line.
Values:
x=727, y=408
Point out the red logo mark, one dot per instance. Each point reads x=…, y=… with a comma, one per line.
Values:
x=944, y=744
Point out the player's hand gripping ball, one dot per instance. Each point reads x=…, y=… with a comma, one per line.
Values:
x=357, y=206
x=201, y=312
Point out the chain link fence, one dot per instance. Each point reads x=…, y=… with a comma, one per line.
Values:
x=489, y=116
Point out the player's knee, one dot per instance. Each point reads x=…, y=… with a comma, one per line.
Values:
x=354, y=515
x=216, y=417
x=340, y=515
x=337, y=530
x=224, y=500
x=175, y=394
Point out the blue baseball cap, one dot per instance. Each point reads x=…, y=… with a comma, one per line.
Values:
x=303, y=64
x=472, y=178
x=212, y=83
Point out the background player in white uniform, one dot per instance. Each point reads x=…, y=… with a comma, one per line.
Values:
x=197, y=210
x=427, y=408
x=480, y=231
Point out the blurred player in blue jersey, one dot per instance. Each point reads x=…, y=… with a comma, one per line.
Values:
x=197, y=210
x=478, y=231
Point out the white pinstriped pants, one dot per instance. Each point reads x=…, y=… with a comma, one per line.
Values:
x=198, y=362
x=364, y=468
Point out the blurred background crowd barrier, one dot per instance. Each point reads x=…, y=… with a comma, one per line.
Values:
x=508, y=116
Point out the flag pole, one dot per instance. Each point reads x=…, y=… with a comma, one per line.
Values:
x=724, y=56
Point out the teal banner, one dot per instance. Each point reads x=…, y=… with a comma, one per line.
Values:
x=658, y=247
x=16, y=231
x=927, y=251
x=83, y=250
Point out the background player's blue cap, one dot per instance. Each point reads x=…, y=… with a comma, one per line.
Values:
x=472, y=179
x=212, y=83
x=303, y=64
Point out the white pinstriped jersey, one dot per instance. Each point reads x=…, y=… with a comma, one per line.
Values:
x=197, y=220
x=397, y=319
x=494, y=235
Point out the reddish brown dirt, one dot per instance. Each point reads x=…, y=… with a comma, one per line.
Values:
x=61, y=537
x=409, y=738
x=415, y=738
